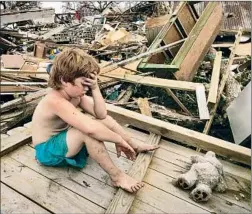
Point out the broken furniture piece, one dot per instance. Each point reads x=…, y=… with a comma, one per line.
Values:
x=200, y=33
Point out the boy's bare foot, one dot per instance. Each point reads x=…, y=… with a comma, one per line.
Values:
x=126, y=182
x=142, y=147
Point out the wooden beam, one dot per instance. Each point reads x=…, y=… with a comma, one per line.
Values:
x=181, y=134
x=222, y=83
x=156, y=82
x=202, y=104
x=170, y=93
x=16, y=89
x=162, y=67
x=212, y=95
x=123, y=200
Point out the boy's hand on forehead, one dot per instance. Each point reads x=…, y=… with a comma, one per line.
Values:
x=92, y=81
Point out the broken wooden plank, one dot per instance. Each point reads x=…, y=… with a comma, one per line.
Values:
x=212, y=95
x=144, y=107
x=181, y=134
x=170, y=93
x=168, y=114
x=126, y=96
x=222, y=83
x=202, y=104
x=123, y=200
x=14, y=103
x=199, y=40
x=156, y=82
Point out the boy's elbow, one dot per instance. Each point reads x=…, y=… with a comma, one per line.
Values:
x=90, y=131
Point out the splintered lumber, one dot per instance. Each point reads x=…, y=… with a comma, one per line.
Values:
x=156, y=82
x=169, y=92
x=126, y=96
x=202, y=104
x=222, y=83
x=212, y=95
x=167, y=114
x=199, y=40
x=232, y=89
x=20, y=101
x=181, y=134
x=144, y=106
x=24, y=112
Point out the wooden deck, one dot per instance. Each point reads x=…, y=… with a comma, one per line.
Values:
x=27, y=187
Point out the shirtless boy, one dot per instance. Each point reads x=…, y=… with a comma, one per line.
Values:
x=63, y=136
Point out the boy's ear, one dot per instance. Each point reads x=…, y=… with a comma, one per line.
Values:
x=63, y=82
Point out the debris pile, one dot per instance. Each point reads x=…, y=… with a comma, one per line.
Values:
x=179, y=57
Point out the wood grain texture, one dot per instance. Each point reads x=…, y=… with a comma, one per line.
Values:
x=55, y=197
x=12, y=201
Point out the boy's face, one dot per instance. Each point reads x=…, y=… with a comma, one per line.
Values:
x=78, y=89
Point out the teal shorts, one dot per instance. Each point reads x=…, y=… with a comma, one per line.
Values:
x=53, y=152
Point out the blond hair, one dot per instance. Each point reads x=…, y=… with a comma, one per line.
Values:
x=71, y=64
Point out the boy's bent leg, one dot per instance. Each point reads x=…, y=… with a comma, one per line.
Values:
x=136, y=145
x=97, y=151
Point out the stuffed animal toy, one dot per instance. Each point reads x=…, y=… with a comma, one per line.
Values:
x=206, y=174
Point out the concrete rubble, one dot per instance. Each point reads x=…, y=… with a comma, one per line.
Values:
x=177, y=55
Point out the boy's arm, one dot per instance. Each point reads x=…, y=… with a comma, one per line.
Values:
x=68, y=113
x=95, y=105
x=95, y=108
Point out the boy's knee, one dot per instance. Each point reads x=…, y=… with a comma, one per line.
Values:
x=108, y=119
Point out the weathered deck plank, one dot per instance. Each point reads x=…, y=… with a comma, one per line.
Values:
x=42, y=190
x=172, y=167
x=214, y=205
x=12, y=200
x=90, y=189
x=71, y=178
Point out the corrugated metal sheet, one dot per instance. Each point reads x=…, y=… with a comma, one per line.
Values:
x=241, y=11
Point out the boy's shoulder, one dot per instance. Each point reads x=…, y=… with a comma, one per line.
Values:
x=53, y=97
